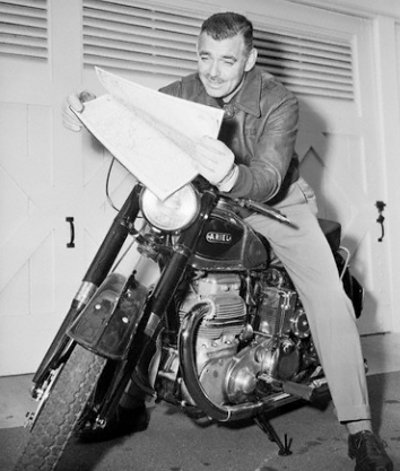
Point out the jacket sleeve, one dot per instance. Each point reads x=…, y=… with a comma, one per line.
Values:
x=273, y=150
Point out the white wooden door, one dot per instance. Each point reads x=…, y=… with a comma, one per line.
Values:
x=339, y=147
x=35, y=261
x=329, y=60
x=40, y=180
x=48, y=173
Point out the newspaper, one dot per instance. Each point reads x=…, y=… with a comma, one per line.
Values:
x=153, y=135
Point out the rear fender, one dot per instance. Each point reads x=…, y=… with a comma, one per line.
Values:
x=355, y=292
x=109, y=321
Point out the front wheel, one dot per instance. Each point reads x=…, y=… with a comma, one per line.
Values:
x=61, y=412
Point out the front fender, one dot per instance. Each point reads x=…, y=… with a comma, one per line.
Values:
x=111, y=318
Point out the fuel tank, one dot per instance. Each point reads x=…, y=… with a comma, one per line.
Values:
x=228, y=243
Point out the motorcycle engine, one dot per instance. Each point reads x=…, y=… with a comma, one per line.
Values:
x=229, y=372
x=281, y=347
x=217, y=338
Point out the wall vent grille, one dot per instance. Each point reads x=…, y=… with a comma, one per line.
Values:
x=24, y=28
x=126, y=35
x=306, y=64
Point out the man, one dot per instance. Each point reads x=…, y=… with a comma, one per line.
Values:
x=254, y=157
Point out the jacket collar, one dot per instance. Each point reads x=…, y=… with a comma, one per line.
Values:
x=247, y=98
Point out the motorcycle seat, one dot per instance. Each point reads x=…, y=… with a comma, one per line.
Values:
x=332, y=231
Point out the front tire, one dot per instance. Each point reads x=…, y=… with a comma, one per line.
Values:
x=61, y=412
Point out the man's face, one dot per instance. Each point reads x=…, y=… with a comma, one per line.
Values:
x=222, y=64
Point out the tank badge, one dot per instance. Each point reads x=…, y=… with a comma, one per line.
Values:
x=219, y=237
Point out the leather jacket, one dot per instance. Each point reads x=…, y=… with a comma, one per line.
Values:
x=260, y=127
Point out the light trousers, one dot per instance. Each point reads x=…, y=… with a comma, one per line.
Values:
x=306, y=255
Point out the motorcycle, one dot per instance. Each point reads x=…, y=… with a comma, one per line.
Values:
x=221, y=332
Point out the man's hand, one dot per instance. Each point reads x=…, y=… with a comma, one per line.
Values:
x=214, y=159
x=75, y=102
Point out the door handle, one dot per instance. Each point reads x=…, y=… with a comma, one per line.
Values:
x=381, y=206
x=71, y=243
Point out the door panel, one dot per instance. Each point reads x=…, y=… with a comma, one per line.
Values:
x=36, y=264
x=338, y=158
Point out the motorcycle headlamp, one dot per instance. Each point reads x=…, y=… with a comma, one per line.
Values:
x=174, y=213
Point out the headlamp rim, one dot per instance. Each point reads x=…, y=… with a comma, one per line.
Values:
x=196, y=195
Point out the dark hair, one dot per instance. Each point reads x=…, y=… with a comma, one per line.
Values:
x=227, y=25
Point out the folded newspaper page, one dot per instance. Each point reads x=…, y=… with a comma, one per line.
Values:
x=153, y=135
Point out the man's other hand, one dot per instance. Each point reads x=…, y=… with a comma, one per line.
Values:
x=75, y=102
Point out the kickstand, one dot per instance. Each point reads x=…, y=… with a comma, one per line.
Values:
x=266, y=427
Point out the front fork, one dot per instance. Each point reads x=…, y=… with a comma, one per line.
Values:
x=95, y=275
x=143, y=345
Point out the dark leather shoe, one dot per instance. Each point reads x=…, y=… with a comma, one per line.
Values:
x=123, y=422
x=369, y=452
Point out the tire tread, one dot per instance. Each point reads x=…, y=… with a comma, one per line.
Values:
x=60, y=414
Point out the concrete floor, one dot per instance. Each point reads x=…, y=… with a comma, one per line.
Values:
x=173, y=442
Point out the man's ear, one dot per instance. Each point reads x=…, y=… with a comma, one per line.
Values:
x=251, y=60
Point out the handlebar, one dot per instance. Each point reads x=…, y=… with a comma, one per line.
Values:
x=262, y=209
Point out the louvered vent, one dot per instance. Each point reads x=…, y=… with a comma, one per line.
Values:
x=307, y=65
x=23, y=28
x=131, y=36
x=128, y=35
